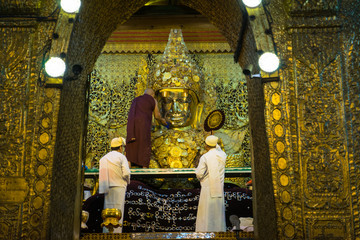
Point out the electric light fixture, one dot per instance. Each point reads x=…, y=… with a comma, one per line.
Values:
x=55, y=67
x=70, y=6
x=269, y=62
x=252, y=3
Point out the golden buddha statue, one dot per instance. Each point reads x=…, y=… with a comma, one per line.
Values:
x=179, y=86
x=177, y=106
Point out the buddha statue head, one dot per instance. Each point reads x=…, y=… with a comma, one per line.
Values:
x=178, y=83
x=178, y=106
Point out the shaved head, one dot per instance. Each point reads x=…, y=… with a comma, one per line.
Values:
x=150, y=92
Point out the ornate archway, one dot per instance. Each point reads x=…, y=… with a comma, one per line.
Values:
x=91, y=33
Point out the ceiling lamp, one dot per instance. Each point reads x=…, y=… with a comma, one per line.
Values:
x=252, y=3
x=70, y=6
x=55, y=67
x=269, y=62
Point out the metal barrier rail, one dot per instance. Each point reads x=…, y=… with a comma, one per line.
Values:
x=173, y=172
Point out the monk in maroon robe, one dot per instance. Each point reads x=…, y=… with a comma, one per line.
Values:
x=138, y=139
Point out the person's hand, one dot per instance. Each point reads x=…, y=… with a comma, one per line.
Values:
x=163, y=121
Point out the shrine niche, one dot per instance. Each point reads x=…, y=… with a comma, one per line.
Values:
x=186, y=93
x=194, y=79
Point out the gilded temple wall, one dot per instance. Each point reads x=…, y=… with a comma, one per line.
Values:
x=28, y=117
x=311, y=120
x=312, y=116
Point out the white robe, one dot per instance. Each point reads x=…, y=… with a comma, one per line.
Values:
x=211, y=209
x=114, y=176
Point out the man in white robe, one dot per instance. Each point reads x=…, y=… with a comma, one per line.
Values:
x=211, y=172
x=114, y=176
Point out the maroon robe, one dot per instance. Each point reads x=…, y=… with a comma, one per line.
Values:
x=138, y=139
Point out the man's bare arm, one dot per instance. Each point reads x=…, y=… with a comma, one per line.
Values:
x=158, y=116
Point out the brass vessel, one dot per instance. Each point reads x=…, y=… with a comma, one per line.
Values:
x=84, y=219
x=111, y=217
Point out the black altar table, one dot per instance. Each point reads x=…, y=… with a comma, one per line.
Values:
x=148, y=209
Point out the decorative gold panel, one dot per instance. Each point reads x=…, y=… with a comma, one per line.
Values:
x=307, y=125
x=276, y=113
x=12, y=119
x=13, y=190
x=328, y=228
x=320, y=117
x=27, y=120
x=14, y=187
x=111, y=93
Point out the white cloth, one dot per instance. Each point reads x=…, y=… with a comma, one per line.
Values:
x=115, y=198
x=114, y=176
x=211, y=209
x=246, y=224
x=114, y=171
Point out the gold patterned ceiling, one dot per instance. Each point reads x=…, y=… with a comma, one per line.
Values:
x=143, y=34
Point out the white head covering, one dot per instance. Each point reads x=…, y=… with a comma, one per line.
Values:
x=123, y=141
x=211, y=140
x=117, y=142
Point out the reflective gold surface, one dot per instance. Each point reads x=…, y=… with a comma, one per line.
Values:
x=84, y=218
x=176, y=149
x=14, y=190
x=111, y=217
x=183, y=104
x=179, y=82
x=307, y=127
x=28, y=116
x=176, y=69
x=178, y=107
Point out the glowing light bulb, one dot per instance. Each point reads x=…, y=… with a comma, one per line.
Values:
x=55, y=67
x=269, y=62
x=70, y=6
x=252, y=3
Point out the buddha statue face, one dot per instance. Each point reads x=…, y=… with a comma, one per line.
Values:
x=178, y=106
